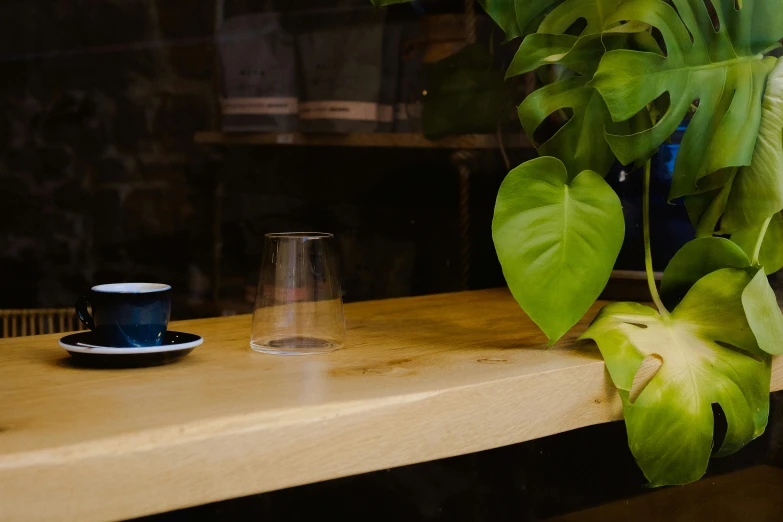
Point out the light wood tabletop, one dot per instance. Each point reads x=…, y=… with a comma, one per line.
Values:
x=419, y=379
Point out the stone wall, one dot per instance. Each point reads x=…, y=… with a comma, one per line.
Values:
x=99, y=178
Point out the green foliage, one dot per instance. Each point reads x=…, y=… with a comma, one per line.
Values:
x=771, y=252
x=593, y=12
x=704, y=256
x=748, y=195
x=504, y=13
x=709, y=355
x=531, y=12
x=705, y=209
x=574, y=144
x=557, y=242
x=465, y=94
x=721, y=69
x=757, y=191
x=694, y=261
x=522, y=17
x=558, y=227
x=763, y=313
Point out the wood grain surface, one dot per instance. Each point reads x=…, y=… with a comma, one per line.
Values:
x=420, y=379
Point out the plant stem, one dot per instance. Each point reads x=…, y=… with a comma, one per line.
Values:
x=647, y=248
x=760, y=241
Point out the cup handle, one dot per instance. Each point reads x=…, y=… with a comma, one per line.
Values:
x=82, y=313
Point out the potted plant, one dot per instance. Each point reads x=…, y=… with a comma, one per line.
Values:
x=636, y=69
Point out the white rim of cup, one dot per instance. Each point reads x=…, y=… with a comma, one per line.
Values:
x=131, y=288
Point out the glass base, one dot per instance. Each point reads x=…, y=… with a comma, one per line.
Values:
x=295, y=346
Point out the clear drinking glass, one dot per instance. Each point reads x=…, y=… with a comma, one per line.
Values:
x=299, y=305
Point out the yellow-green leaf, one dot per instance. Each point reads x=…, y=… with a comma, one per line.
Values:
x=709, y=355
x=557, y=241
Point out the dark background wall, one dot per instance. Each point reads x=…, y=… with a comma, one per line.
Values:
x=100, y=179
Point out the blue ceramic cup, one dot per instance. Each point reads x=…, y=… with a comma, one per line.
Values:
x=127, y=314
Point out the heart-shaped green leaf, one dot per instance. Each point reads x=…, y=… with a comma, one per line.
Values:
x=771, y=253
x=557, y=242
x=695, y=260
x=763, y=314
x=721, y=69
x=709, y=356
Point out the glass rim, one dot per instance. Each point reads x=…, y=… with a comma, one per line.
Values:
x=299, y=235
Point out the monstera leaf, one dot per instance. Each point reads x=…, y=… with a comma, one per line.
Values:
x=575, y=142
x=757, y=191
x=557, y=242
x=541, y=49
x=593, y=12
x=578, y=143
x=550, y=44
x=695, y=260
x=522, y=17
x=709, y=355
x=530, y=12
x=722, y=69
x=504, y=14
x=746, y=196
x=771, y=252
x=559, y=15
x=704, y=256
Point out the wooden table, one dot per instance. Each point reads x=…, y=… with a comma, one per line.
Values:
x=420, y=379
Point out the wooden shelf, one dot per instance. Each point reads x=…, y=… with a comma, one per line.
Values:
x=379, y=140
x=420, y=379
x=629, y=285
